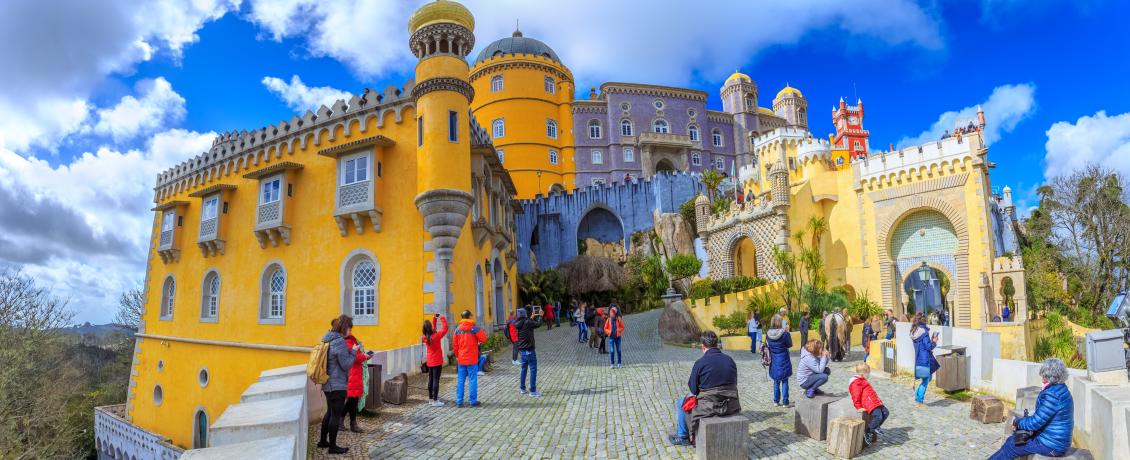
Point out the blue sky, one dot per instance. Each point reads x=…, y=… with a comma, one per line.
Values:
x=89, y=115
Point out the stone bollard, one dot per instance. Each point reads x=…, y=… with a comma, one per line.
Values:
x=845, y=436
x=722, y=438
x=987, y=409
x=395, y=390
x=810, y=417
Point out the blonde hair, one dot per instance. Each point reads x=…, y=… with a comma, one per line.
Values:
x=862, y=368
x=813, y=346
x=776, y=322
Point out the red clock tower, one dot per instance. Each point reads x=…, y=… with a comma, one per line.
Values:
x=850, y=134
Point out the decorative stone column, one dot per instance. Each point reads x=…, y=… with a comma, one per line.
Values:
x=445, y=212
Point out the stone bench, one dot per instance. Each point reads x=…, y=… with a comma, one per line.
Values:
x=722, y=438
x=810, y=417
x=1072, y=454
x=845, y=436
x=276, y=448
x=986, y=409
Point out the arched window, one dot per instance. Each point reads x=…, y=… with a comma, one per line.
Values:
x=594, y=129
x=551, y=129
x=750, y=104
x=200, y=429
x=693, y=132
x=364, y=289
x=496, y=83
x=168, y=295
x=498, y=128
x=597, y=157
x=660, y=126
x=552, y=157
x=550, y=85
x=272, y=303
x=360, y=287
x=717, y=137
x=479, y=291
x=210, y=297
x=696, y=159
x=720, y=164
x=629, y=154
x=625, y=127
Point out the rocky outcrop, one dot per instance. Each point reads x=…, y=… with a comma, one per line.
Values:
x=676, y=323
x=674, y=232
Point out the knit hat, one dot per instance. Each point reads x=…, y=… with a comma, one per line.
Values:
x=521, y=312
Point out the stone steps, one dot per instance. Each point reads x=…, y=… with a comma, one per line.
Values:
x=265, y=449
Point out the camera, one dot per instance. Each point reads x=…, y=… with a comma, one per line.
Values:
x=537, y=310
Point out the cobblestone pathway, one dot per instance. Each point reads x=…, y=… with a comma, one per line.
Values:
x=591, y=411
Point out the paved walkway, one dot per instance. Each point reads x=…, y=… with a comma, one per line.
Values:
x=591, y=411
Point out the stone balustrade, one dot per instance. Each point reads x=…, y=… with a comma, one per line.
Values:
x=117, y=438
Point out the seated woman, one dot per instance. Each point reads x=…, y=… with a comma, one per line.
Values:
x=812, y=371
x=1052, y=422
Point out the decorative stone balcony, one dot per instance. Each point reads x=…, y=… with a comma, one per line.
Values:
x=209, y=238
x=667, y=140
x=357, y=202
x=270, y=218
x=168, y=247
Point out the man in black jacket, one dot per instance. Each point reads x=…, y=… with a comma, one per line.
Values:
x=714, y=382
x=526, y=354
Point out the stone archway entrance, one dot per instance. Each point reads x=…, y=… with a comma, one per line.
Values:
x=664, y=165
x=602, y=234
x=744, y=255
x=924, y=260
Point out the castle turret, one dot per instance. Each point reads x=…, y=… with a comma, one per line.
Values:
x=701, y=214
x=441, y=38
x=850, y=134
x=791, y=104
x=779, y=180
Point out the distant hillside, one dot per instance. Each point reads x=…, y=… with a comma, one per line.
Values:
x=97, y=330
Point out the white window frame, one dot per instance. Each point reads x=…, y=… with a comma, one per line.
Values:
x=269, y=297
x=692, y=131
x=344, y=163
x=720, y=164
x=550, y=85
x=716, y=137
x=497, y=83
x=553, y=157
x=595, y=132
x=626, y=128
x=267, y=194
x=210, y=209
x=597, y=157
x=696, y=159
x=551, y=128
x=661, y=126
x=168, y=221
x=453, y=126
x=629, y=155
x=168, y=298
x=210, y=297
x=498, y=128
x=501, y=155
x=364, y=297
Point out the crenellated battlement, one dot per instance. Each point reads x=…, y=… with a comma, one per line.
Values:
x=813, y=149
x=1008, y=264
x=240, y=149
x=942, y=153
x=792, y=133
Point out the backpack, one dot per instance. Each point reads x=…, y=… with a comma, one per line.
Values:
x=317, y=368
x=766, y=357
x=512, y=332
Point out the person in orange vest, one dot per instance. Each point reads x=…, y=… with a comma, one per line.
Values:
x=466, y=346
x=614, y=329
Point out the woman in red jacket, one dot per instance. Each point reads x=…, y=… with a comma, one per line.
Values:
x=434, y=361
x=355, y=388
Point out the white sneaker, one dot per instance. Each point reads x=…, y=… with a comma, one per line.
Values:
x=481, y=373
x=516, y=363
x=612, y=366
x=437, y=403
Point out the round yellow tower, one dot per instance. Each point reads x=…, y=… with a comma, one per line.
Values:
x=441, y=37
x=522, y=97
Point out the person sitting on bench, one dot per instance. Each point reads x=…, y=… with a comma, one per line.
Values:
x=713, y=391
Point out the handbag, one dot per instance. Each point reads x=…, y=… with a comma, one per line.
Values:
x=921, y=372
x=1021, y=437
x=689, y=403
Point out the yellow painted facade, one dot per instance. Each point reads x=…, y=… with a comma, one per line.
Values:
x=318, y=242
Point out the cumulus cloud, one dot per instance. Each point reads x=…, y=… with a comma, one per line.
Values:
x=1098, y=138
x=157, y=106
x=57, y=51
x=83, y=226
x=1006, y=107
x=370, y=37
x=300, y=97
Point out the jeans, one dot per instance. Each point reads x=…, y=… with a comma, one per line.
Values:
x=920, y=393
x=513, y=352
x=557, y=317
x=615, y=353
x=781, y=389
x=815, y=381
x=433, y=381
x=890, y=334
x=529, y=361
x=467, y=372
x=582, y=332
x=754, y=338
x=878, y=416
x=680, y=420
x=331, y=422
x=482, y=363
x=1010, y=450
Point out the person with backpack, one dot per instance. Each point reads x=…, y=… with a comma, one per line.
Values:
x=590, y=325
x=779, y=341
x=339, y=358
x=526, y=351
x=579, y=319
x=434, y=361
x=512, y=334
x=614, y=329
x=355, y=389
x=713, y=386
x=466, y=346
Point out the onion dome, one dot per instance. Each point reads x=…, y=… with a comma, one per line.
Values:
x=789, y=91
x=739, y=77
x=441, y=11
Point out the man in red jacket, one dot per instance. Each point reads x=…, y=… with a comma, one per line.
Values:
x=466, y=346
x=865, y=400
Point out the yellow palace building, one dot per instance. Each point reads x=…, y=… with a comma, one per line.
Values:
x=388, y=207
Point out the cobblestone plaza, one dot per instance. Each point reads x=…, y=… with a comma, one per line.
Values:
x=591, y=411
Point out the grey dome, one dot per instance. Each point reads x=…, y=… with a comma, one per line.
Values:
x=517, y=44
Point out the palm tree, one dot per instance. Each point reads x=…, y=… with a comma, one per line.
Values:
x=711, y=179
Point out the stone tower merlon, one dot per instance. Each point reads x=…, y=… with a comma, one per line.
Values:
x=701, y=214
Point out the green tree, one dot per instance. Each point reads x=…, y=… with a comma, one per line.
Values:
x=1008, y=290
x=682, y=266
x=711, y=179
x=802, y=270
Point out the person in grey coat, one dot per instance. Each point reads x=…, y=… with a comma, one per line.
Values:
x=339, y=360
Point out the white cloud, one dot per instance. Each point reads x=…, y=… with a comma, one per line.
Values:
x=83, y=227
x=158, y=106
x=300, y=97
x=56, y=52
x=1006, y=107
x=1098, y=138
x=602, y=40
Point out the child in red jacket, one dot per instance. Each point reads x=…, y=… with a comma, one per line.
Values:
x=865, y=400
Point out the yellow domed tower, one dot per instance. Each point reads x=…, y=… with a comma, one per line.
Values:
x=441, y=37
x=522, y=96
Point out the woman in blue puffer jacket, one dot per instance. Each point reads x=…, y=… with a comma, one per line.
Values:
x=925, y=364
x=1053, y=421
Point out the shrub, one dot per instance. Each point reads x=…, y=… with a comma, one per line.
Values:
x=1059, y=343
x=495, y=342
x=688, y=212
x=764, y=306
x=863, y=307
x=702, y=289
x=732, y=324
x=680, y=266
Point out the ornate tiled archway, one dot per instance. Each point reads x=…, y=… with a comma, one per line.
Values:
x=762, y=228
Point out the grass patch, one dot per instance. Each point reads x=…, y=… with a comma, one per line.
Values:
x=962, y=395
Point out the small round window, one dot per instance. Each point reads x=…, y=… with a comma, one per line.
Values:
x=625, y=106
x=658, y=104
x=202, y=377
x=158, y=395
x=691, y=112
